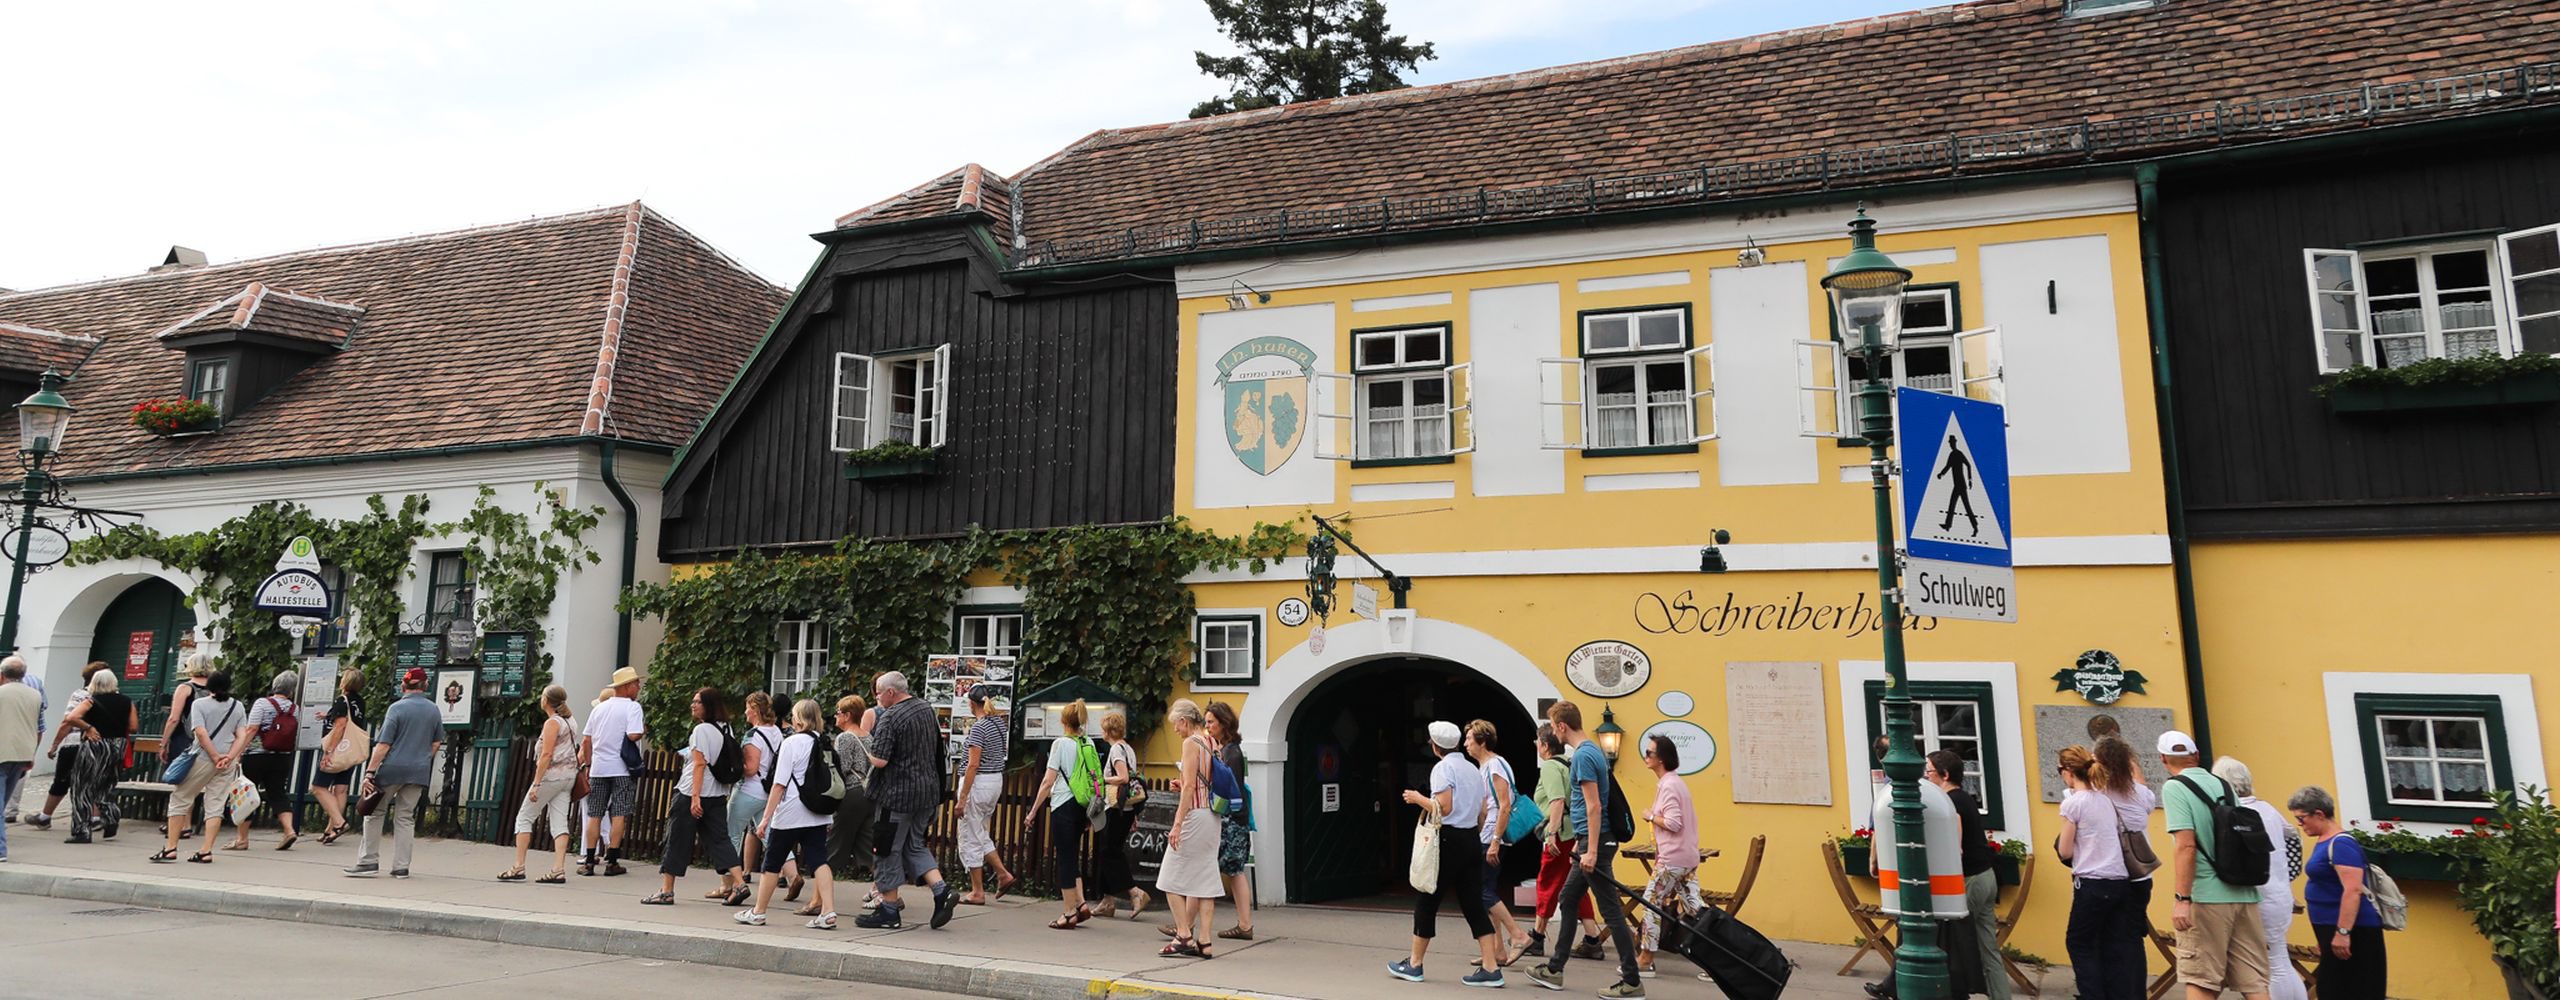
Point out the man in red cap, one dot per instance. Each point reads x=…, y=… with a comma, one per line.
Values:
x=404, y=753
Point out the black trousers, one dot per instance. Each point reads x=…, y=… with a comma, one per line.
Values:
x=2360, y=976
x=1111, y=868
x=711, y=828
x=1613, y=911
x=1066, y=844
x=849, y=834
x=1462, y=876
x=2105, y=938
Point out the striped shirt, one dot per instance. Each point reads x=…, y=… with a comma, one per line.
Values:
x=993, y=738
x=908, y=736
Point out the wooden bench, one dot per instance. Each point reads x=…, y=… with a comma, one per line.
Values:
x=146, y=745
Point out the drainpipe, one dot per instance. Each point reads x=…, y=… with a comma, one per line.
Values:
x=2146, y=179
x=630, y=557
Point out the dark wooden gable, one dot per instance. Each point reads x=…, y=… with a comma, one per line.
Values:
x=1061, y=405
x=2261, y=455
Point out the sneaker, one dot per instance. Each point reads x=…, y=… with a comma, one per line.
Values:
x=41, y=821
x=363, y=871
x=750, y=918
x=4, y=857
x=1405, y=970
x=822, y=922
x=944, y=903
x=1624, y=991
x=1590, y=949
x=883, y=919
x=399, y=873
x=1489, y=978
x=1546, y=977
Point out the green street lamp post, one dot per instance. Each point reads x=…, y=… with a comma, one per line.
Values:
x=41, y=420
x=1866, y=288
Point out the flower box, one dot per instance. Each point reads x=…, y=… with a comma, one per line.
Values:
x=2419, y=866
x=2006, y=868
x=2520, y=390
x=1858, y=860
x=170, y=418
x=891, y=461
x=890, y=470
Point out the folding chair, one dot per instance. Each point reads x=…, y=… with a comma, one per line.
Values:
x=1731, y=902
x=2009, y=922
x=1869, y=917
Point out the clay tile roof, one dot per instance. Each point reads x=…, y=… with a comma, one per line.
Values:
x=1975, y=88
x=971, y=190
x=613, y=321
x=29, y=349
x=274, y=311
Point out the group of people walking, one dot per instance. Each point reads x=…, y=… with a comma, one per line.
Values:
x=2231, y=911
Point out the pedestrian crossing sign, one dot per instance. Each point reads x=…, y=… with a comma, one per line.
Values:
x=1955, y=506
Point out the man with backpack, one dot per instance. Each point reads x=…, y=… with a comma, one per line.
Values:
x=2221, y=860
x=1599, y=830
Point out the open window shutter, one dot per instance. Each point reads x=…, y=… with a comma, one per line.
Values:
x=2339, y=339
x=1702, y=394
x=1818, y=390
x=2529, y=263
x=849, y=422
x=1561, y=424
x=1335, y=395
x=1462, y=409
x=941, y=396
x=1978, y=369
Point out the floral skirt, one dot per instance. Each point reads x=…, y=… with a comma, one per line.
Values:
x=1673, y=890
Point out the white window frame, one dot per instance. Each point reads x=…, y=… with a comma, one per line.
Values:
x=1643, y=358
x=992, y=622
x=2504, y=302
x=1913, y=339
x=2434, y=760
x=799, y=661
x=866, y=398
x=1403, y=368
x=214, y=391
x=1224, y=619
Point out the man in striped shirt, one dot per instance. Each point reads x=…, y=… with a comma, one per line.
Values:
x=906, y=785
x=981, y=781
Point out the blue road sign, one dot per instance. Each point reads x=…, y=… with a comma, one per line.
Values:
x=1955, y=506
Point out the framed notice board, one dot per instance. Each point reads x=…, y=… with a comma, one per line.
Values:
x=416, y=649
x=504, y=657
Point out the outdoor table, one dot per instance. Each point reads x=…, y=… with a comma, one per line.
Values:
x=1645, y=853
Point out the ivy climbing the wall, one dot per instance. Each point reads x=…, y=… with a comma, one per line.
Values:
x=517, y=561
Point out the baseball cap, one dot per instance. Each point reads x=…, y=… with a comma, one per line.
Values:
x=414, y=676
x=2177, y=744
x=1444, y=735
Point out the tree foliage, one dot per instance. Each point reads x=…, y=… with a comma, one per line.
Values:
x=1305, y=50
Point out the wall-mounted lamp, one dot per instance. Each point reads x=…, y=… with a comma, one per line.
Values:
x=1236, y=301
x=1711, y=558
x=1608, y=734
x=1750, y=255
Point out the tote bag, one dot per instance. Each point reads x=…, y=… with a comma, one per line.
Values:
x=1425, y=871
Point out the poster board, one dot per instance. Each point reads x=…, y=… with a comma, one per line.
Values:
x=1147, y=838
x=948, y=679
x=1781, y=733
x=503, y=661
x=454, y=693
x=137, y=655
x=319, y=691
x=416, y=649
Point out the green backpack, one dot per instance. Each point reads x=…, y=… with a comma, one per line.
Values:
x=1085, y=783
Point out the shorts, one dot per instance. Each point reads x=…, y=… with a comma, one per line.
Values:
x=1235, y=846
x=2226, y=950
x=615, y=796
x=333, y=779
x=809, y=841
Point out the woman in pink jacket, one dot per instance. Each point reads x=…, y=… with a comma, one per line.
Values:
x=1675, y=841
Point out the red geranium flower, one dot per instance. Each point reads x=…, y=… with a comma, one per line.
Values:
x=2479, y=820
x=2385, y=827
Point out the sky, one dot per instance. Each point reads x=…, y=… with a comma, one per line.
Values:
x=250, y=129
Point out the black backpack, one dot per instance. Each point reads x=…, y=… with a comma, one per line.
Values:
x=821, y=785
x=731, y=765
x=1621, y=819
x=2241, y=842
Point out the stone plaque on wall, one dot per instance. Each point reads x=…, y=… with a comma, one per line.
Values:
x=1780, y=731
x=2059, y=726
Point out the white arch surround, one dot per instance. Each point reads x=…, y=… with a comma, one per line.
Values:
x=58, y=618
x=1296, y=674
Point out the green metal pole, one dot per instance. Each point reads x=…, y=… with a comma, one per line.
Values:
x=29, y=492
x=1920, y=967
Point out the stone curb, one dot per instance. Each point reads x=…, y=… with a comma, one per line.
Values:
x=860, y=962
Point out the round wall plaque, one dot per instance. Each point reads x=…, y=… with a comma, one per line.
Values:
x=1697, y=748
x=1675, y=704
x=1608, y=668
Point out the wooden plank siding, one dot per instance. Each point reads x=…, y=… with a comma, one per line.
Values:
x=1061, y=410
x=2261, y=455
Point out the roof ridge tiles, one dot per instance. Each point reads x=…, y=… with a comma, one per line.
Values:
x=77, y=338
x=617, y=308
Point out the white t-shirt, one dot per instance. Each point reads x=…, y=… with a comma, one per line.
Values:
x=706, y=741
x=1495, y=767
x=610, y=725
x=1460, y=777
x=788, y=813
x=768, y=742
x=1062, y=759
x=2096, y=853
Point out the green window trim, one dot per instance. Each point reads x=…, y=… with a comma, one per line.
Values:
x=1200, y=651
x=1987, y=730
x=2377, y=779
x=1955, y=322
x=1653, y=449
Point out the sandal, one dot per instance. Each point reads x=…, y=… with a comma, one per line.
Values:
x=201, y=858
x=515, y=874
x=797, y=882
x=716, y=894
x=558, y=876
x=1179, y=947
x=1139, y=905
x=973, y=900
x=287, y=843
x=659, y=899
x=164, y=857
x=237, y=845
x=735, y=897
x=1237, y=934
x=1084, y=912
x=1066, y=923
x=1201, y=951
x=331, y=835
x=810, y=910
x=1003, y=885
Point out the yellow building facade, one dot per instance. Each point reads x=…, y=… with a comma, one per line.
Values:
x=1554, y=548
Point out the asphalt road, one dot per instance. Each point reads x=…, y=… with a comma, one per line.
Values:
x=72, y=948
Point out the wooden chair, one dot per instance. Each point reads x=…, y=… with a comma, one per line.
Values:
x=2167, y=945
x=2299, y=954
x=1731, y=902
x=1869, y=917
x=2009, y=922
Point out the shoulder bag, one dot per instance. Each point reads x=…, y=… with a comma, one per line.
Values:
x=2135, y=844
x=353, y=749
x=1424, y=873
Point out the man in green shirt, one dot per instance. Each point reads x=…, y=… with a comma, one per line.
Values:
x=2221, y=944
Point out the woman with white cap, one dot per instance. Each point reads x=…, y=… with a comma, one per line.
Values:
x=1456, y=798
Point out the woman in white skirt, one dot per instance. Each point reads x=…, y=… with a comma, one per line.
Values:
x=555, y=756
x=1189, y=877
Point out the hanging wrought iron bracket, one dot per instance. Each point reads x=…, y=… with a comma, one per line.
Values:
x=1397, y=584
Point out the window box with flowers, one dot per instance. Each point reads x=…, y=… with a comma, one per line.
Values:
x=176, y=417
x=2410, y=855
x=2446, y=383
x=890, y=460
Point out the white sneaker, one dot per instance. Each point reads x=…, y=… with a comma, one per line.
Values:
x=750, y=918
x=823, y=922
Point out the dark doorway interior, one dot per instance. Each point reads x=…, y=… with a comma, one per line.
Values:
x=1365, y=734
x=146, y=623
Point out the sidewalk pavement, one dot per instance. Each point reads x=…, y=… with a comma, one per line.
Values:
x=1000, y=951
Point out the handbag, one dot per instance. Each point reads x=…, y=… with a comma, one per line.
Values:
x=179, y=766
x=242, y=802
x=371, y=800
x=351, y=751
x=1424, y=873
x=578, y=790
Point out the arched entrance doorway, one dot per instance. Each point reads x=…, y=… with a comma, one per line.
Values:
x=138, y=635
x=1356, y=742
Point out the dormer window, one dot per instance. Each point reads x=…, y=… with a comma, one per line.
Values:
x=209, y=382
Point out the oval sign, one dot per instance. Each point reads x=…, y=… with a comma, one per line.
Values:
x=1608, y=668
x=1697, y=748
x=46, y=545
x=293, y=591
x=1675, y=704
x=1293, y=612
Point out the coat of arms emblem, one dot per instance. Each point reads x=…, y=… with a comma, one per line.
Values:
x=1267, y=382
